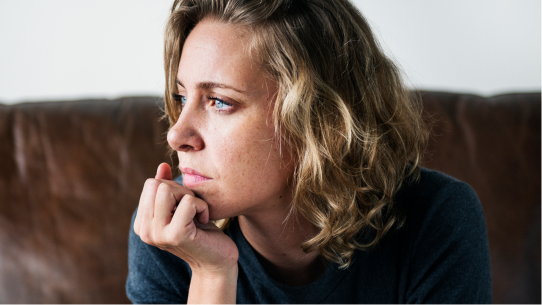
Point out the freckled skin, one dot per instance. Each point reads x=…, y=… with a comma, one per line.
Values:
x=234, y=144
x=237, y=147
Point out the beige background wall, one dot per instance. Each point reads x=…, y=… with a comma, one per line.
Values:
x=66, y=49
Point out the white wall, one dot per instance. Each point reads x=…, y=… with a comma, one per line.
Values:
x=66, y=49
x=480, y=46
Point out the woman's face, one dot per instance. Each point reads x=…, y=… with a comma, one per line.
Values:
x=225, y=136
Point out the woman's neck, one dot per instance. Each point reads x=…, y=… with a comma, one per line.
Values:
x=277, y=243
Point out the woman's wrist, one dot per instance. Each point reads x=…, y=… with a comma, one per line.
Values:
x=213, y=286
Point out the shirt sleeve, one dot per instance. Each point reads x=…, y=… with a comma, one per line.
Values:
x=154, y=275
x=450, y=260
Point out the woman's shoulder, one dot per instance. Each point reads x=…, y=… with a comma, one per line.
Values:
x=437, y=202
x=443, y=240
x=435, y=190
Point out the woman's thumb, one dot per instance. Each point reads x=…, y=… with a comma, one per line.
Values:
x=164, y=172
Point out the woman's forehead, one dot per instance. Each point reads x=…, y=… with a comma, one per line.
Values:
x=218, y=53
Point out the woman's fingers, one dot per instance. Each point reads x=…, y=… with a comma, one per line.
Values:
x=167, y=198
x=147, y=203
x=187, y=209
x=172, y=218
x=187, y=232
x=145, y=210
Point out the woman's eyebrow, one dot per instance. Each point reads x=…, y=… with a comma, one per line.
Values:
x=211, y=85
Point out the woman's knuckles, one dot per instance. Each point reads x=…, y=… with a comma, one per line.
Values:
x=151, y=183
x=155, y=185
x=169, y=237
x=187, y=199
x=145, y=235
x=175, y=238
x=164, y=188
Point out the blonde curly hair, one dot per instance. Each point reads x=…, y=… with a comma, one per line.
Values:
x=356, y=131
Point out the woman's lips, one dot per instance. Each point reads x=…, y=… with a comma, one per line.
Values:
x=192, y=177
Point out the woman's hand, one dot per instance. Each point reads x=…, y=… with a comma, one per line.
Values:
x=171, y=218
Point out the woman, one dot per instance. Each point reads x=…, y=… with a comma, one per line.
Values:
x=295, y=133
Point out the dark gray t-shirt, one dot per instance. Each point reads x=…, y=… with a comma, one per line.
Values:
x=440, y=255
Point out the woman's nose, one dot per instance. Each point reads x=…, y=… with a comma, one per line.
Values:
x=184, y=135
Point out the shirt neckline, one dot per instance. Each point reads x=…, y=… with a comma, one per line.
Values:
x=314, y=292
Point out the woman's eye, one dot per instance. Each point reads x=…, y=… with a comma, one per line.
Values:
x=220, y=104
x=180, y=98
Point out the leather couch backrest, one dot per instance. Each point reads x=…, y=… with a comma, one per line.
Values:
x=493, y=144
x=70, y=178
x=71, y=174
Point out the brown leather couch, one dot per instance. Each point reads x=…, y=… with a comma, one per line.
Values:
x=71, y=174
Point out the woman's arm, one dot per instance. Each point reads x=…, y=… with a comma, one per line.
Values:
x=171, y=218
